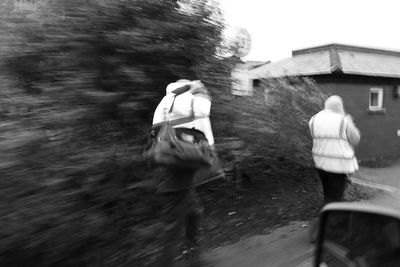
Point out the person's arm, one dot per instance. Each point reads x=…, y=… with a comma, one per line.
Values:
x=159, y=113
x=352, y=132
x=201, y=106
x=201, y=110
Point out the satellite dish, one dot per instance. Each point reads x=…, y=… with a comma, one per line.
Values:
x=237, y=42
x=242, y=42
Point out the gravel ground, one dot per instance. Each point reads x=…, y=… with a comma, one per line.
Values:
x=256, y=206
x=261, y=206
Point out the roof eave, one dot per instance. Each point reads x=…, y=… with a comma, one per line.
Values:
x=268, y=76
x=372, y=74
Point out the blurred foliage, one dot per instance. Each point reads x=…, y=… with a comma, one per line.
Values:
x=292, y=101
x=79, y=83
x=273, y=123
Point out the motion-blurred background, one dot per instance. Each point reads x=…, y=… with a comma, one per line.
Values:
x=79, y=81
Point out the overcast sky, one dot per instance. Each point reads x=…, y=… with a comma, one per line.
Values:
x=279, y=26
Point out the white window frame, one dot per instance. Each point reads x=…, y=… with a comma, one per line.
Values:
x=379, y=91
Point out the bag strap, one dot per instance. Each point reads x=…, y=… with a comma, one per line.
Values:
x=166, y=114
x=187, y=119
x=176, y=92
x=342, y=129
x=191, y=106
x=172, y=105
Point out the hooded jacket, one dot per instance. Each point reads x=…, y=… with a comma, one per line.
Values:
x=194, y=104
x=334, y=138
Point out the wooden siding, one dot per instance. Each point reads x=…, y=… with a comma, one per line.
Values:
x=378, y=129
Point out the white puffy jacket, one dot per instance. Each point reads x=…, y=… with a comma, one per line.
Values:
x=185, y=105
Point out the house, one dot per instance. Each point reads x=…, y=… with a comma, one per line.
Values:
x=367, y=79
x=242, y=77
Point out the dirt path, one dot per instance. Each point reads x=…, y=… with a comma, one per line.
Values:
x=264, y=223
x=258, y=208
x=285, y=246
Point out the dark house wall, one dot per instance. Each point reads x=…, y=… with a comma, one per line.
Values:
x=378, y=129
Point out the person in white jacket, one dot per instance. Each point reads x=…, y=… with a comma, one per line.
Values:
x=195, y=101
x=334, y=138
x=187, y=106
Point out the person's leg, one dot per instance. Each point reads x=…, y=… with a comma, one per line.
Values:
x=340, y=186
x=315, y=222
x=335, y=185
x=174, y=214
x=325, y=179
x=193, y=218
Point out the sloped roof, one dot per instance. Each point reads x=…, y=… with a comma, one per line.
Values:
x=310, y=64
x=370, y=64
x=251, y=64
x=334, y=58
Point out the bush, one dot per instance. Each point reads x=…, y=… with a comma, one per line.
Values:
x=273, y=123
x=80, y=81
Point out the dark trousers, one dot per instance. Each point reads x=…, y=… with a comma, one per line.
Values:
x=183, y=210
x=333, y=184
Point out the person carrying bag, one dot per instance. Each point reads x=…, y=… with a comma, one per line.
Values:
x=188, y=149
x=181, y=145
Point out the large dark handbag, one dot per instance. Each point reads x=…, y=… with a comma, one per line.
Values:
x=169, y=150
x=204, y=174
x=165, y=148
x=209, y=173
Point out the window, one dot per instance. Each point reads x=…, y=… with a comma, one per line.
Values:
x=396, y=91
x=25, y=5
x=256, y=83
x=375, y=99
